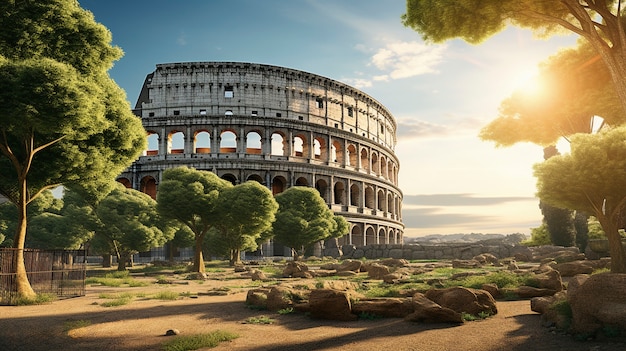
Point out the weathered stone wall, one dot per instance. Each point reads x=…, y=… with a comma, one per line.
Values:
x=432, y=252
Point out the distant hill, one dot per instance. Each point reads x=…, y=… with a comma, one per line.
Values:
x=464, y=238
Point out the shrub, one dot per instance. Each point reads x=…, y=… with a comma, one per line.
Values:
x=198, y=341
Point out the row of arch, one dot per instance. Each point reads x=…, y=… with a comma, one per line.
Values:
x=362, y=234
x=341, y=152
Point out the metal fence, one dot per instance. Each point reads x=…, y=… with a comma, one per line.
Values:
x=58, y=272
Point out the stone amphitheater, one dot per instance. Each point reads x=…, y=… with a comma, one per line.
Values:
x=281, y=127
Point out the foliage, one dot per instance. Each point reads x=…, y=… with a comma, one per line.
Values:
x=592, y=179
x=303, y=219
x=38, y=299
x=284, y=311
x=76, y=324
x=63, y=120
x=582, y=230
x=560, y=224
x=503, y=279
x=130, y=223
x=198, y=341
x=260, y=320
x=116, y=279
x=245, y=211
x=470, y=317
x=190, y=197
x=166, y=295
x=538, y=236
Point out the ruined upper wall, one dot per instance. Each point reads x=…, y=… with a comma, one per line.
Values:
x=263, y=91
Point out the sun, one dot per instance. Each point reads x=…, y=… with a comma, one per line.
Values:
x=528, y=81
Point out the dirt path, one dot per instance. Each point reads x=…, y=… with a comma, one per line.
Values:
x=141, y=325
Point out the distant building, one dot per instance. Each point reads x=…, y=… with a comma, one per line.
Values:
x=278, y=126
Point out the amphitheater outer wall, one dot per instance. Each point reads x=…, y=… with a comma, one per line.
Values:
x=278, y=126
x=433, y=252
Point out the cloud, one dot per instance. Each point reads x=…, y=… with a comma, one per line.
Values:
x=407, y=59
x=416, y=129
x=182, y=39
x=460, y=200
x=432, y=217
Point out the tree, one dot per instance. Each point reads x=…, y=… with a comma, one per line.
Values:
x=63, y=120
x=598, y=22
x=303, y=218
x=190, y=197
x=560, y=225
x=245, y=212
x=131, y=223
x=592, y=179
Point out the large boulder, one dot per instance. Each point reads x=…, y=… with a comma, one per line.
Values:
x=376, y=270
x=550, y=279
x=384, y=307
x=571, y=268
x=427, y=311
x=331, y=304
x=257, y=298
x=599, y=302
x=349, y=266
x=296, y=269
x=395, y=262
x=464, y=300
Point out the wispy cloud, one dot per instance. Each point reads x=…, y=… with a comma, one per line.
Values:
x=407, y=59
x=414, y=128
x=460, y=200
x=182, y=39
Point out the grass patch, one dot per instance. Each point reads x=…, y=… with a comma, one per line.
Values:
x=284, y=311
x=71, y=325
x=116, y=300
x=472, y=317
x=39, y=299
x=260, y=320
x=166, y=295
x=198, y=341
x=116, y=279
x=503, y=279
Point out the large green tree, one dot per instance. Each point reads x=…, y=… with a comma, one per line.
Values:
x=245, y=212
x=131, y=223
x=598, y=22
x=190, y=197
x=63, y=120
x=591, y=178
x=303, y=218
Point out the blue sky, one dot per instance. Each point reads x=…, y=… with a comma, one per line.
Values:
x=440, y=94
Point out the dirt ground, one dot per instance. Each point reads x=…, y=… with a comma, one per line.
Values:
x=142, y=324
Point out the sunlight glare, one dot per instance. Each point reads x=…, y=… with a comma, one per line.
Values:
x=528, y=81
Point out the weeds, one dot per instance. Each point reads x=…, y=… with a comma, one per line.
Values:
x=39, y=299
x=71, y=325
x=284, y=311
x=198, y=341
x=260, y=320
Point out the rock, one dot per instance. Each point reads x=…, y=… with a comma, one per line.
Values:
x=196, y=276
x=278, y=298
x=575, y=283
x=460, y=299
x=331, y=304
x=240, y=269
x=551, y=279
x=465, y=264
x=526, y=292
x=385, y=307
x=542, y=304
x=350, y=265
x=339, y=285
x=492, y=289
x=258, y=275
x=395, y=262
x=295, y=269
x=427, y=311
x=599, y=302
x=487, y=258
x=257, y=297
x=346, y=274
x=329, y=266
x=394, y=278
x=376, y=271
x=570, y=269
x=171, y=332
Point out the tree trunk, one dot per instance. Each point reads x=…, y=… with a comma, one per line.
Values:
x=122, y=259
x=107, y=260
x=616, y=249
x=235, y=255
x=24, y=289
x=198, y=260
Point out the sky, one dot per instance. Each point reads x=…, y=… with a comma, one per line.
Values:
x=440, y=94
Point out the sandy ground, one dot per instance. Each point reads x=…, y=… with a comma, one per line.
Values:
x=141, y=325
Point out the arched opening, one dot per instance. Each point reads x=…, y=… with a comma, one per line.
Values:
x=230, y=177
x=365, y=162
x=370, y=236
x=317, y=149
x=322, y=188
x=339, y=193
x=370, y=201
x=253, y=143
x=228, y=142
x=355, y=195
x=357, y=236
x=383, y=236
x=390, y=171
x=278, y=185
x=301, y=181
x=352, y=155
x=228, y=113
x=278, y=145
x=255, y=178
x=298, y=146
x=148, y=186
x=336, y=153
x=202, y=142
x=125, y=182
x=176, y=143
x=375, y=165
x=390, y=204
x=153, y=144
x=383, y=167
x=381, y=200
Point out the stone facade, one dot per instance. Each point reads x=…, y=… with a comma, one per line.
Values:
x=278, y=126
x=462, y=251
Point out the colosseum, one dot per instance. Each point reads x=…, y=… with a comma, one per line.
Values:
x=281, y=127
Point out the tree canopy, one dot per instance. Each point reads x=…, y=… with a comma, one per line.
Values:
x=190, y=197
x=63, y=120
x=573, y=86
x=598, y=22
x=303, y=218
x=245, y=212
x=591, y=178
